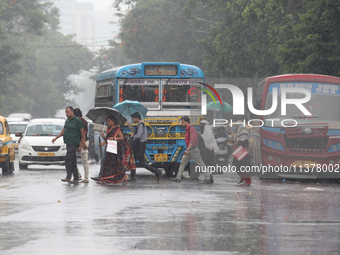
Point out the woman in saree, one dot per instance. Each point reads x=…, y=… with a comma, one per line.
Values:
x=116, y=165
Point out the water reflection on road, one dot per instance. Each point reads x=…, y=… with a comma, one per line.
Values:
x=41, y=215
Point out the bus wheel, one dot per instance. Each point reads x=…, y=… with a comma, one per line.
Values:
x=171, y=170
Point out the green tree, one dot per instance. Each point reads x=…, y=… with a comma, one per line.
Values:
x=17, y=18
x=108, y=58
x=314, y=45
x=238, y=45
x=42, y=85
x=235, y=38
x=37, y=60
x=159, y=31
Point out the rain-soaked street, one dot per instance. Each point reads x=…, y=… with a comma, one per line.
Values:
x=42, y=215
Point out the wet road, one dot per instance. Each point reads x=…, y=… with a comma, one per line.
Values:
x=41, y=215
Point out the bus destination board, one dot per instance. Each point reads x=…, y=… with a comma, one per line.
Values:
x=160, y=70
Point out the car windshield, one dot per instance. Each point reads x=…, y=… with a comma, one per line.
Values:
x=47, y=129
x=13, y=128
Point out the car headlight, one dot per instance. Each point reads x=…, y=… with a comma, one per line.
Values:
x=24, y=145
x=2, y=143
x=63, y=147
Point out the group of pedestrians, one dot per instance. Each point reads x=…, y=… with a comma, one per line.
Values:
x=115, y=165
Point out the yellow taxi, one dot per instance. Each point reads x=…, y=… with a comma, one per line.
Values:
x=7, y=151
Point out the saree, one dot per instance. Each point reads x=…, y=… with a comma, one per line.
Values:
x=116, y=165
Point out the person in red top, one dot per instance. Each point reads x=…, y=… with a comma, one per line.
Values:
x=192, y=152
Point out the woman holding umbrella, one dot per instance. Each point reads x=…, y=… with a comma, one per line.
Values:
x=115, y=165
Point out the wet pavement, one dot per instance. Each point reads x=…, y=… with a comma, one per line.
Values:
x=41, y=215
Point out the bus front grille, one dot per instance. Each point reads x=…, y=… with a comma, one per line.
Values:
x=306, y=142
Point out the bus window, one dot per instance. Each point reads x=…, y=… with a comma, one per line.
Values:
x=185, y=93
x=181, y=90
x=141, y=93
x=103, y=91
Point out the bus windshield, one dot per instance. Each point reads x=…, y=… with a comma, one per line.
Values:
x=180, y=90
x=323, y=105
x=143, y=90
x=147, y=90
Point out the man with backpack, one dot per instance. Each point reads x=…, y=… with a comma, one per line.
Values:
x=192, y=152
x=138, y=145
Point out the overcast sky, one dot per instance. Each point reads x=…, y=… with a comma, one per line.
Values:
x=100, y=4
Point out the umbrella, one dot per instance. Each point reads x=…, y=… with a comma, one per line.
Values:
x=218, y=107
x=128, y=107
x=99, y=115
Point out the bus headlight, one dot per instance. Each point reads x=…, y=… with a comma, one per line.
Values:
x=334, y=147
x=339, y=161
x=331, y=162
x=160, y=132
x=270, y=158
x=274, y=144
x=278, y=159
x=2, y=143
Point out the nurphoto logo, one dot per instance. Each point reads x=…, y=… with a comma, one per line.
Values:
x=239, y=102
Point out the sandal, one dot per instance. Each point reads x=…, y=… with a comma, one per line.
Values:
x=126, y=180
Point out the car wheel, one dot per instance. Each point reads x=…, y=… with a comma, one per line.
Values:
x=11, y=167
x=22, y=166
x=5, y=167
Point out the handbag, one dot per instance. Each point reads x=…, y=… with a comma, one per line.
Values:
x=112, y=144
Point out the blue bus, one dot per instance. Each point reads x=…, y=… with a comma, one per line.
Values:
x=169, y=91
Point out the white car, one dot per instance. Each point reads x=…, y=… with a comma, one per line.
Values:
x=25, y=116
x=36, y=145
x=14, y=127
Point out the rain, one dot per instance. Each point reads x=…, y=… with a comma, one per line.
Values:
x=150, y=79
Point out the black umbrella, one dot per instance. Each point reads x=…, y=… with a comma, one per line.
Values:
x=99, y=115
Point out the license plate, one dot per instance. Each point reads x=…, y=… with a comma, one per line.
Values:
x=46, y=154
x=302, y=163
x=161, y=157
